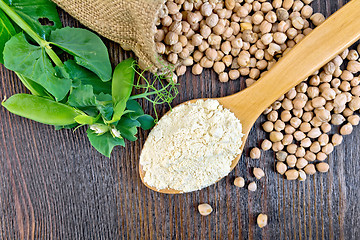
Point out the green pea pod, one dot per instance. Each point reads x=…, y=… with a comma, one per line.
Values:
x=122, y=85
x=41, y=109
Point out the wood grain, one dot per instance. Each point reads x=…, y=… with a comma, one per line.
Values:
x=53, y=185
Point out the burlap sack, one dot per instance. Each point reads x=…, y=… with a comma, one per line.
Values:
x=128, y=22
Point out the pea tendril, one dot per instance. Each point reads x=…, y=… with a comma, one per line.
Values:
x=166, y=93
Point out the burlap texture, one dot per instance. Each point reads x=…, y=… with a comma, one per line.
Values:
x=128, y=22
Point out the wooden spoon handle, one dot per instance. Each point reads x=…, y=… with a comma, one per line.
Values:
x=332, y=37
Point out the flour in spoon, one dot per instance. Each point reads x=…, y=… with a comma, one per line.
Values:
x=191, y=147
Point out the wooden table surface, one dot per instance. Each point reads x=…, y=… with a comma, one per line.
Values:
x=53, y=185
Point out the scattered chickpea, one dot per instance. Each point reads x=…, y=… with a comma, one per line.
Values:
x=239, y=182
x=255, y=153
x=262, y=220
x=258, y=173
x=205, y=209
x=252, y=186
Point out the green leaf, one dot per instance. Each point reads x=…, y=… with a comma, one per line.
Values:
x=41, y=109
x=105, y=106
x=81, y=76
x=87, y=48
x=136, y=108
x=104, y=143
x=33, y=87
x=32, y=62
x=128, y=128
x=32, y=11
x=122, y=85
x=82, y=96
x=7, y=30
x=146, y=121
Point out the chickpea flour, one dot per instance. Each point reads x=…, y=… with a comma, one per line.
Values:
x=191, y=147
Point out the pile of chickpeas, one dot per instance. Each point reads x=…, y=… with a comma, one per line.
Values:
x=233, y=37
x=246, y=38
x=299, y=123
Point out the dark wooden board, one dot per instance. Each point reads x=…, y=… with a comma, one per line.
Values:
x=53, y=185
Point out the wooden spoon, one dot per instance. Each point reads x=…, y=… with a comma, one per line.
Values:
x=332, y=37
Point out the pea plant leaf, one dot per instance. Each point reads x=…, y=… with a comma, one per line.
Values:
x=7, y=30
x=19, y=54
x=81, y=76
x=122, y=85
x=128, y=128
x=87, y=48
x=104, y=143
x=146, y=121
x=136, y=108
x=104, y=105
x=35, y=11
x=33, y=87
x=82, y=96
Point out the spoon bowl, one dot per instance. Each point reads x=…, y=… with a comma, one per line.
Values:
x=332, y=37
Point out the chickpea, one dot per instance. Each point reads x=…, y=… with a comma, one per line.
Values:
x=180, y=70
x=266, y=145
x=346, y=129
x=197, y=69
x=276, y=136
x=252, y=186
x=315, y=147
x=223, y=77
x=205, y=209
x=281, y=168
x=262, y=220
x=317, y=19
x=336, y=139
x=354, y=120
x=298, y=22
x=227, y=60
x=255, y=153
x=322, y=167
x=288, y=139
x=258, y=173
x=219, y=67
x=291, y=160
x=306, y=11
x=277, y=146
x=239, y=182
x=301, y=163
x=291, y=174
x=272, y=116
x=310, y=169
